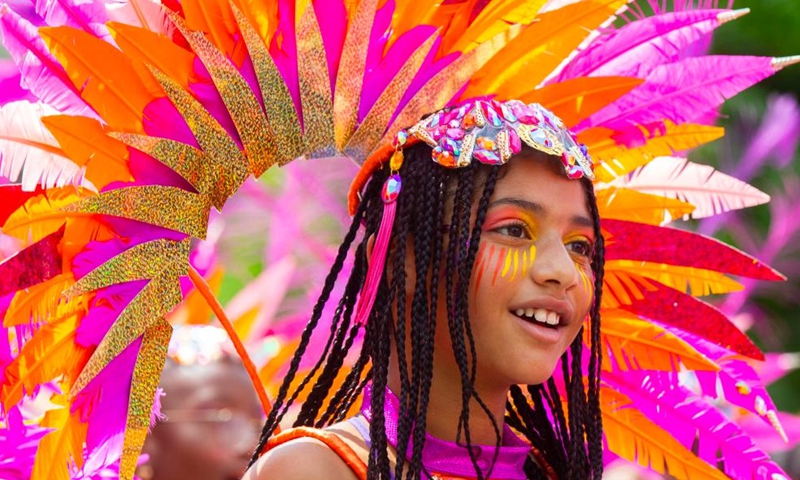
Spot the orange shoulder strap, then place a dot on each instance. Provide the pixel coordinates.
(345, 452)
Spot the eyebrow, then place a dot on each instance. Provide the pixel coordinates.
(538, 208)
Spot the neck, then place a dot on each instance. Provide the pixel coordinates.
(444, 408)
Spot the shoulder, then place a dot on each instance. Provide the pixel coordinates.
(300, 459)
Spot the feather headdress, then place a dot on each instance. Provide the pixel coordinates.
(147, 116)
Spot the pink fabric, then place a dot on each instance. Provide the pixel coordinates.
(450, 458)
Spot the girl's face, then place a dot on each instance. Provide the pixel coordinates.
(532, 283)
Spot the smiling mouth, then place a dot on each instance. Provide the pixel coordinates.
(539, 316)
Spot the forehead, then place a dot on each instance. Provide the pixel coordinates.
(538, 178)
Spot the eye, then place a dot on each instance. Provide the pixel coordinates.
(514, 230)
(583, 248)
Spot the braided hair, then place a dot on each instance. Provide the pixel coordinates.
(441, 213)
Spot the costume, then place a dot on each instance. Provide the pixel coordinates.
(149, 116)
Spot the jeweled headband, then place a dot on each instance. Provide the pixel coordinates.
(488, 131)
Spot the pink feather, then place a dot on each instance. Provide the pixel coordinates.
(40, 71)
(10, 88)
(87, 15)
(638, 47)
(637, 241)
(739, 381)
(141, 13)
(19, 441)
(710, 191)
(683, 91)
(696, 424)
(29, 154)
(684, 313)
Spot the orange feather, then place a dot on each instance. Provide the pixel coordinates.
(575, 100)
(85, 142)
(106, 77)
(526, 60)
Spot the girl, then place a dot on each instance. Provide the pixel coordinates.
(492, 273)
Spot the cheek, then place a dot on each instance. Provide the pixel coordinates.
(495, 265)
(585, 287)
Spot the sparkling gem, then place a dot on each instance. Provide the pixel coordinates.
(566, 159)
(451, 146)
(538, 136)
(453, 124)
(743, 388)
(514, 143)
(455, 133)
(402, 138)
(439, 132)
(760, 406)
(574, 172)
(506, 112)
(491, 114)
(435, 120)
(486, 143)
(487, 157)
(437, 150)
(469, 120)
(391, 188)
(523, 113)
(446, 159)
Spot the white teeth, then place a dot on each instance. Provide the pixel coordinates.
(541, 315)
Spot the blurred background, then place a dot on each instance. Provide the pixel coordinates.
(267, 283)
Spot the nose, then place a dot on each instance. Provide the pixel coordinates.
(553, 266)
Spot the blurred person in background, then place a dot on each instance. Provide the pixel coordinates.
(211, 415)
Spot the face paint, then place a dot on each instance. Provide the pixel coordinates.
(504, 262)
(586, 282)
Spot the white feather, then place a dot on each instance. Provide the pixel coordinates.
(29, 154)
(710, 191)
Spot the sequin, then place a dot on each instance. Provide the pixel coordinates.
(315, 87)
(455, 133)
(146, 376)
(282, 118)
(144, 261)
(366, 138)
(349, 86)
(231, 168)
(445, 159)
(451, 146)
(485, 156)
(242, 104)
(486, 143)
(168, 207)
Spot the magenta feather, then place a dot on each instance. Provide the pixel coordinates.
(40, 71)
(15, 271)
(104, 310)
(638, 47)
(385, 68)
(637, 241)
(683, 91)
(333, 30)
(19, 441)
(89, 16)
(283, 49)
(696, 424)
(681, 312)
(739, 382)
(104, 403)
(162, 119)
(10, 88)
(203, 88)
